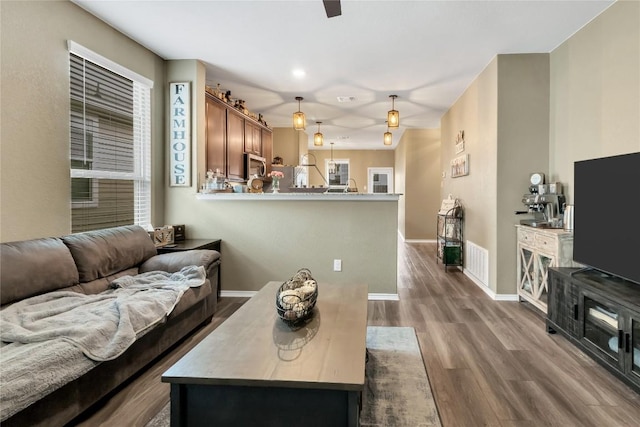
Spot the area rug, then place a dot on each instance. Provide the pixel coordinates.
(397, 391)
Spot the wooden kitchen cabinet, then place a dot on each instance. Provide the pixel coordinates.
(235, 145)
(252, 139)
(216, 136)
(229, 134)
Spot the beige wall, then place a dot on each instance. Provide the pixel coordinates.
(359, 162)
(505, 118)
(421, 182)
(34, 139)
(595, 92)
(289, 144)
(399, 182)
(475, 112)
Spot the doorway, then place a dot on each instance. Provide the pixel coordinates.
(380, 180)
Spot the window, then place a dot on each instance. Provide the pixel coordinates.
(380, 180)
(110, 146)
(339, 177)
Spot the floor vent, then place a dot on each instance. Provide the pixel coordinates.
(477, 262)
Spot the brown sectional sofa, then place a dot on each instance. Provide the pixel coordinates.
(87, 263)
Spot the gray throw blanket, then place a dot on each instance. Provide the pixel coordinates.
(103, 326)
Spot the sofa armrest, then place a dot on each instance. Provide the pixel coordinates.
(174, 261)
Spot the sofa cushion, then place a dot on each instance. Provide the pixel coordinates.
(100, 285)
(101, 253)
(33, 267)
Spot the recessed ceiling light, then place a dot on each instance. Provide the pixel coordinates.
(346, 98)
(343, 137)
(299, 73)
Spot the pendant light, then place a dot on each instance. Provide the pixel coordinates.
(388, 137)
(393, 116)
(318, 139)
(332, 164)
(299, 121)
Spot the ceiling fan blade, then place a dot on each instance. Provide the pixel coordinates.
(332, 7)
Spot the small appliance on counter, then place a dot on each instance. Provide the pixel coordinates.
(545, 202)
(255, 184)
(567, 219)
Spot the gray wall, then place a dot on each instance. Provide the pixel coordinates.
(34, 139)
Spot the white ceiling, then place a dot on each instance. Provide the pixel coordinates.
(426, 52)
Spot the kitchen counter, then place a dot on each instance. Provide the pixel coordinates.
(271, 236)
(351, 197)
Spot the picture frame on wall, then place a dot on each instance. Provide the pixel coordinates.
(460, 142)
(180, 134)
(460, 166)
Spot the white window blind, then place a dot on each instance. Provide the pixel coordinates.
(110, 144)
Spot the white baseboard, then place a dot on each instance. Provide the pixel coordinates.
(420, 241)
(489, 291)
(507, 297)
(238, 294)
(249, 294)
(383, 297)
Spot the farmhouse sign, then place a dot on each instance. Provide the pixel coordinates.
(180, 134)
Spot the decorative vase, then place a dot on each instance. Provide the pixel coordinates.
(276, 185)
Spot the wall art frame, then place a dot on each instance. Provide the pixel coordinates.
(460, 166)
(460, 142)
(180, 134)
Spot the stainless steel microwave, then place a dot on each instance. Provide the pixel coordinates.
(254, 165)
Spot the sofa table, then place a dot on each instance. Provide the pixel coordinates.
(253, 370)
(189, 244)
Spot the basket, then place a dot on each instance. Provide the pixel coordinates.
(296, 298)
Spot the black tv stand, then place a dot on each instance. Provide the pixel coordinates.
(582, 270)
(600, 314)
(595, 274)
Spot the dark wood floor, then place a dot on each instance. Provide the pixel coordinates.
(489, 363)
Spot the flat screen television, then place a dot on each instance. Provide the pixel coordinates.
(606, 233)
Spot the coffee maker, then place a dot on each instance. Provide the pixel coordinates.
(545, 202)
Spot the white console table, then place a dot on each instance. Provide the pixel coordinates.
(539, 249)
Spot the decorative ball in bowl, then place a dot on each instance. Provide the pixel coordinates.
(296, 298)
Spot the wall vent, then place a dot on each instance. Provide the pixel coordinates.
(477, 262)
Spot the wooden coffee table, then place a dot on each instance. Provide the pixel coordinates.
(253, 370)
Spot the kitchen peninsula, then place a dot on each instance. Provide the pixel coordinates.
(270, 236)
(351, 197)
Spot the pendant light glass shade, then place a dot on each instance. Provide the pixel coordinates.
(299, 121)
(393, 116)
(318, 138)
(388, 137)
(332, 164)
